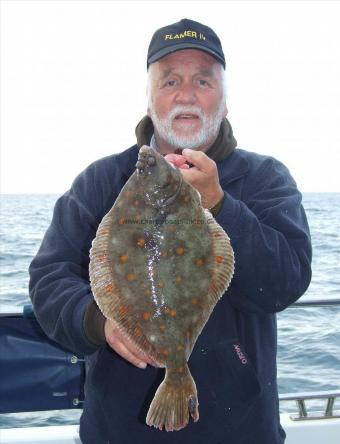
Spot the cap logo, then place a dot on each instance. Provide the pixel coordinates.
(185, 34)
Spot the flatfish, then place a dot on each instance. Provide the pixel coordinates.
(158, 265)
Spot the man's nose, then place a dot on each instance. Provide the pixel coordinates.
(186, 94)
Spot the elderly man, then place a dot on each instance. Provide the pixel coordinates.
(252, 197)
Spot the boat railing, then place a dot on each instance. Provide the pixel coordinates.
(27, 310)
(316, 303)
(304, 413)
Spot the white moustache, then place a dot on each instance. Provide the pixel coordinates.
(182, 109)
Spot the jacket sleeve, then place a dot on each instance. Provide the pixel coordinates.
(269, 233)
(59, 279)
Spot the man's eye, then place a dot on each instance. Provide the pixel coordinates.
(203, 82)
(170, 83)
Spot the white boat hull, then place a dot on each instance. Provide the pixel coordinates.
(321, 431)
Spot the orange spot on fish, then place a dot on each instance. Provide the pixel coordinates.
(136, 202)
(146, 315)
(109, 288)
(165, 352)
(141, 242)
(217, 234)
(173, 313)
(137, 332)
(131, 277)
(194, 301)
(164, 253)
(123, 258)
(180, 369)
(179, 347)
(160, 284)
(147, 292)
(123, 310)
(102, 258)
(172, 228)
(104, 231)
(178, 279)
(218, 259)
(121, 221)
(179, 251)
(162, 327)
(186, 198)
(199, 262)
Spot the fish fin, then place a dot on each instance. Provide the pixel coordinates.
(222, 270)
(222, 259)
(108, 295)
(174, 399)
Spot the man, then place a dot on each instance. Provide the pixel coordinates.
(253, 198)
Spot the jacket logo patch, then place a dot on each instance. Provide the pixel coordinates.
(240, 354)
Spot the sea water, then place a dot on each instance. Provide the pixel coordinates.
(308, 338)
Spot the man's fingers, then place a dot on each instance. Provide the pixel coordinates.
(120, 348)
(177, 160)
(126, 348)
(199, 159)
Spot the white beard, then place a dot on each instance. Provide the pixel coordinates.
(207, 134)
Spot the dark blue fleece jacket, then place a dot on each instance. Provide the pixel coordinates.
(234, 359)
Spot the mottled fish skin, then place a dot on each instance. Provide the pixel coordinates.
(159, 264)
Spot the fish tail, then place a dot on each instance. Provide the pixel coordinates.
(175, 398)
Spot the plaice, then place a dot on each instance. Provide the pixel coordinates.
(158, 265)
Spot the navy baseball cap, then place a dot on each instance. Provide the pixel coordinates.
(185, 34)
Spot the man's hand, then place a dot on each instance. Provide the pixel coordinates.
(203, 176)
(125, 348)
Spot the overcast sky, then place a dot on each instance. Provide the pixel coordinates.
(73, 83)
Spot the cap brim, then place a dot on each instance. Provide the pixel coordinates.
(165, 51)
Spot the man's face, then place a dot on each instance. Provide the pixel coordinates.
(186, 100)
